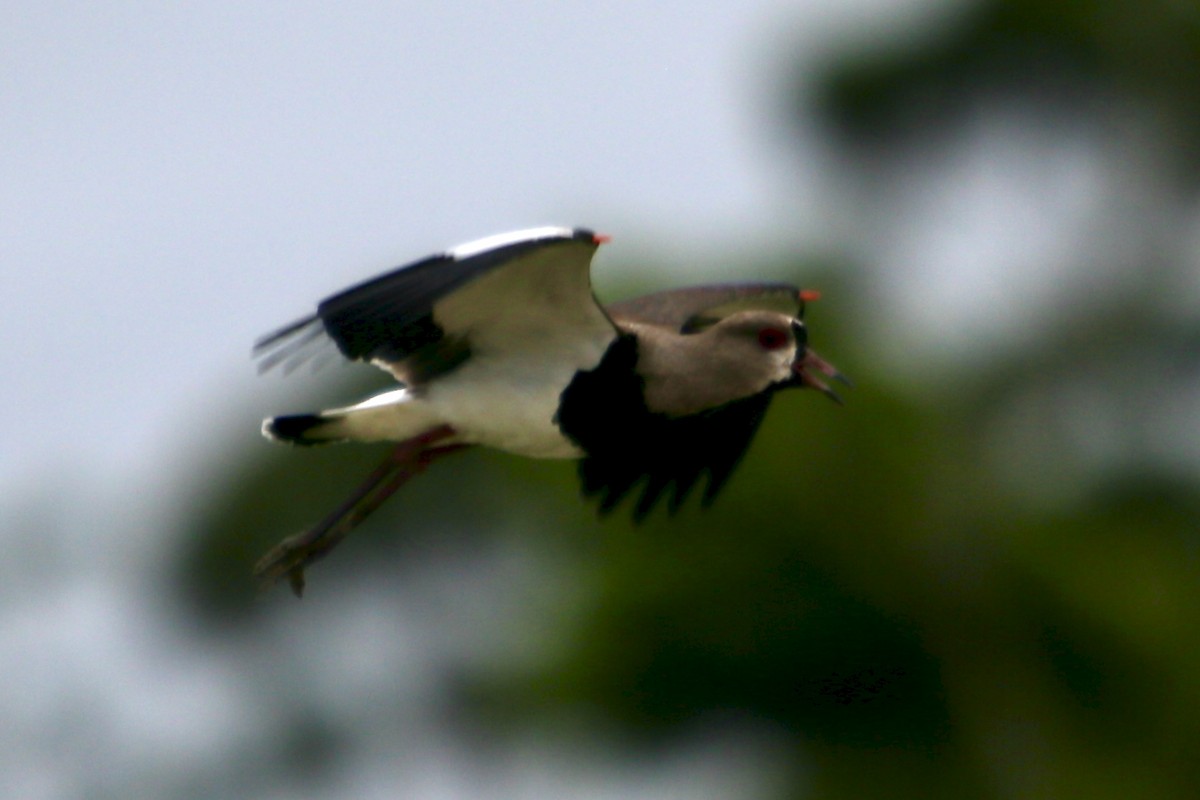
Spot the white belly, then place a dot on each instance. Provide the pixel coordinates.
(509, 406)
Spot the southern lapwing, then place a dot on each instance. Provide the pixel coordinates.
(500, 342)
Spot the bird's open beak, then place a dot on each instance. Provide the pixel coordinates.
(810, 370)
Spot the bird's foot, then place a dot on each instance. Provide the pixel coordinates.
(293, 555)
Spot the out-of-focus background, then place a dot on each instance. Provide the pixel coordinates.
(981, 578)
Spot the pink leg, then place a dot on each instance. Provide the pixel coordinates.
(290, 557)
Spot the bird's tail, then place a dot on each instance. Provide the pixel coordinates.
(393, 416)
(306, 429)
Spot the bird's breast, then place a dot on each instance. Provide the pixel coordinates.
(512, 403)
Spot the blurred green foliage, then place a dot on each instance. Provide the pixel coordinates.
(1074, 53)
(873, 585)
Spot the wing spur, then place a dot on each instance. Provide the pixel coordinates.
(394, 316)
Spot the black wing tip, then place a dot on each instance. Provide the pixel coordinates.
(650, 493)
(289, 345)
(269, 340)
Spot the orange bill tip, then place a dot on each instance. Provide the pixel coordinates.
(809, 295)
(601, 238)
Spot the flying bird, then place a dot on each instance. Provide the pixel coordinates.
(500, 342)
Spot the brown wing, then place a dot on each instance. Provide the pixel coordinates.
(694, 308)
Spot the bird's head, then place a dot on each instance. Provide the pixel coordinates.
(771, 350)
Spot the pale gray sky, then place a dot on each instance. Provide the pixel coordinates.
(178, 178)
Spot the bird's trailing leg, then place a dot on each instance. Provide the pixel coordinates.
(408, 459)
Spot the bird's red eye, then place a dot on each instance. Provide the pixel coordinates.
(772, 338)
